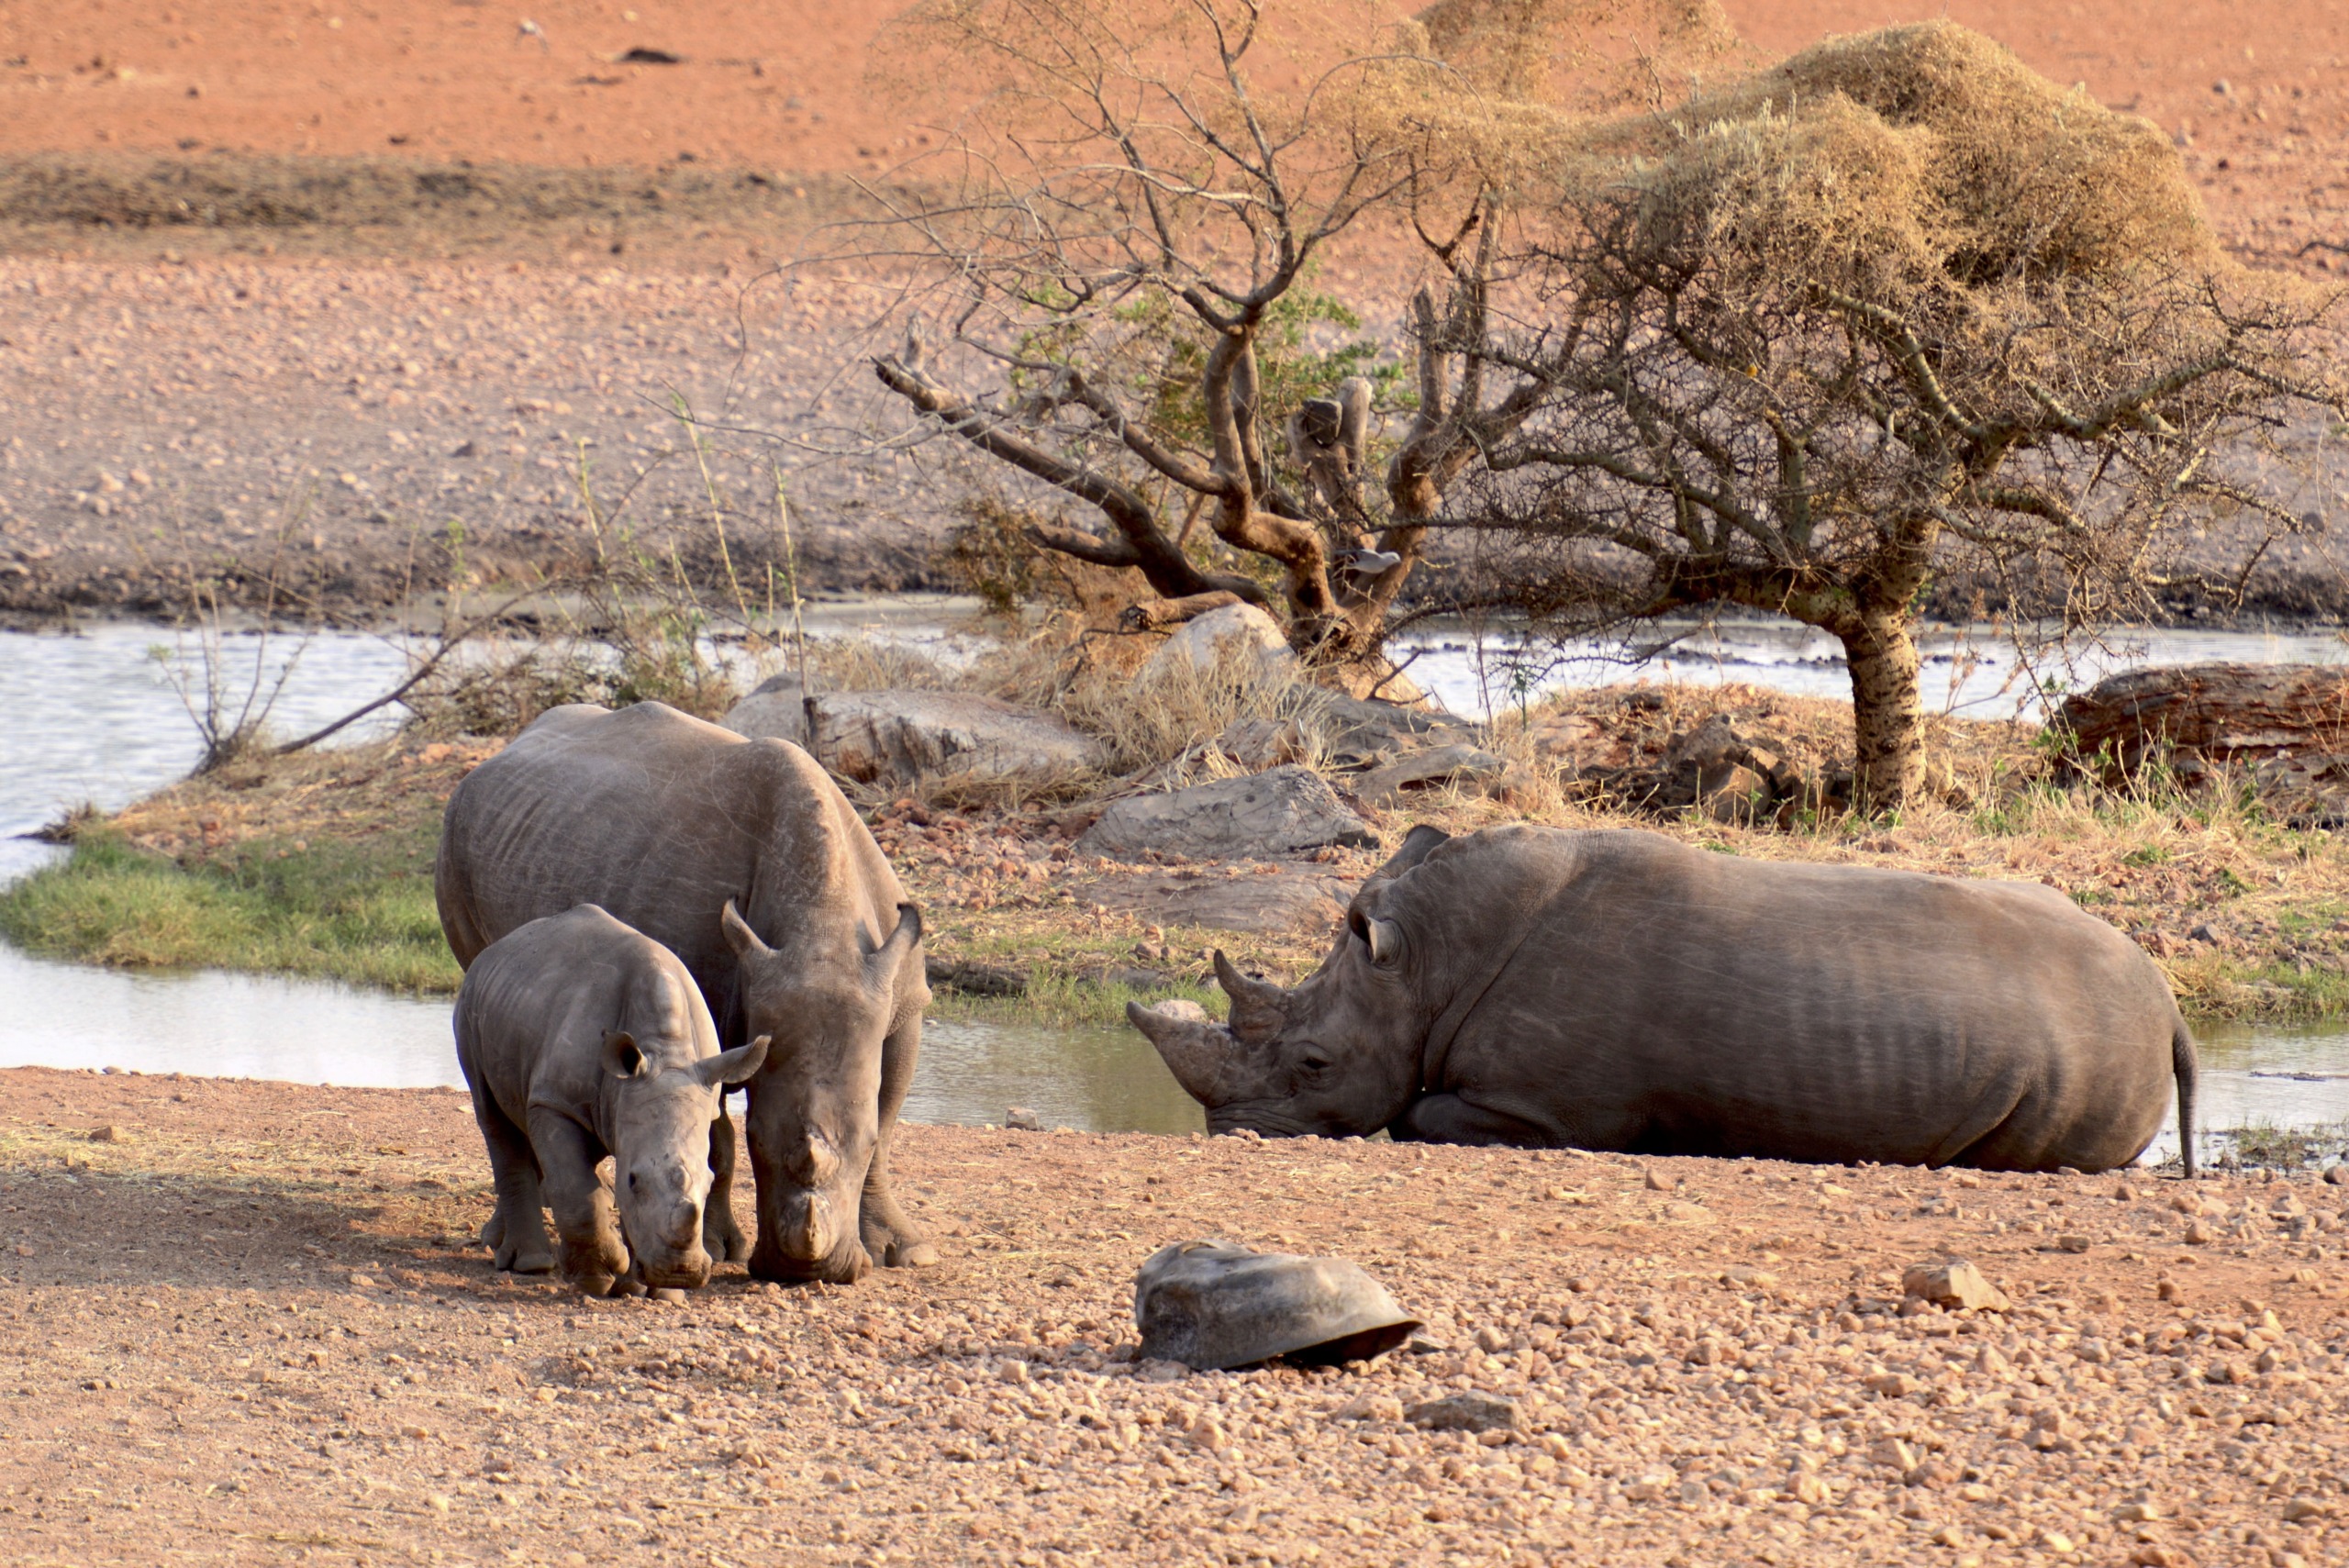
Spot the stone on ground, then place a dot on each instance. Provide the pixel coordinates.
(1956, 1284)
(1279, 812)
(910, 733)
(1436, 768)
(1239, 638)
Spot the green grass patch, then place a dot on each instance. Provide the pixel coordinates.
(356, 911)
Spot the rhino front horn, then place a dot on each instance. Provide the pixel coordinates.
(1193, 1049)
(1259, 1008)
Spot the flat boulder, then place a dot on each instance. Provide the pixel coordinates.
(1279, 812)
(906, 733)
(1239, 638)
(1434, 768)
(1268, 900)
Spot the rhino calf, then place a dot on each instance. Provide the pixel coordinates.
(580, 1037)
(1617, 990)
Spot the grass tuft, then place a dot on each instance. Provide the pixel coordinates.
(357, 912)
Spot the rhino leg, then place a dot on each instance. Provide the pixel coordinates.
(722, 1233)
(892, 1240)
(593, 1252)
(516, 1232)
(1448, 1118)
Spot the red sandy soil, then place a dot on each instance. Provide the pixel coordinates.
(2255, 92)
(244, 1323)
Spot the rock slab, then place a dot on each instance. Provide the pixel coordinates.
(1278, 812)
(910, 733)
(1240, 639)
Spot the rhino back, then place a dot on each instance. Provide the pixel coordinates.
(537, 1004)
(659, 820)
(1666, 997)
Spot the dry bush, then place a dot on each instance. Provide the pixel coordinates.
(1171, 725)
(875, 664)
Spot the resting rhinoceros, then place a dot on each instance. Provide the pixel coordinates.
(743, 859)
(1617, 990)
(581, 1038)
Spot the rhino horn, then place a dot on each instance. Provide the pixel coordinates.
(1259, 1008)
(1193, 1049)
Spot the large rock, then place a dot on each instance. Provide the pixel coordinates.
(2286, 725)
(1268, 900)
(904, 734)
(1213, 1305)
(1275, 813)
(2211, 714)
(1240, 639)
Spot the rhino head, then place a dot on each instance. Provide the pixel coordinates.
(1338, 1056)
(662, 1102)
(814, 1118)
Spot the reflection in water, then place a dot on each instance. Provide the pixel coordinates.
(218, 1025)
(1096, 1080)
(1974, 670)
(2256, 1076)
(1101, 1080)
(93, 718)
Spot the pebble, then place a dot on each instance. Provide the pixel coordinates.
(1468, 1411)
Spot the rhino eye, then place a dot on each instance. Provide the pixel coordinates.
(1313, 1059)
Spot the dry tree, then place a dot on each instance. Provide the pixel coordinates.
(1115, 282)
(1894, 309)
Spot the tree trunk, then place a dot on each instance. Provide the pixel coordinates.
(1888, 712)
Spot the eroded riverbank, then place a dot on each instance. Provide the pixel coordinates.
(1703, 1356)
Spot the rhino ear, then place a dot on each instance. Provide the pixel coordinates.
(1384, 937)
(735, 1066)
(881, 969)
(621, 1058)
(738, 935)
(1417, 844)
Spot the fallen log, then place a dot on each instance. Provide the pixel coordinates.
(2198, 716)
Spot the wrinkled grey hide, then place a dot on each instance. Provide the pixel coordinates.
(581, 1038)
(744, 859)
(1211, 1305)
(1617, 990)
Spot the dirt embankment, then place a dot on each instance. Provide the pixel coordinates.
(246, 1321)
(2244, 913)
(257, 321)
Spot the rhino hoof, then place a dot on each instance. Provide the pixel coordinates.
(594, 1285)
(493, 1231)
(909, 1255)
(535, 1262)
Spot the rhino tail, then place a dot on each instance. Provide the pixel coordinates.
(2187, 1065)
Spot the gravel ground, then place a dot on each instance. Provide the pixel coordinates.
(244, 1325)
(324, 426)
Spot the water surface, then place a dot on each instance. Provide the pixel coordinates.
(94, 716)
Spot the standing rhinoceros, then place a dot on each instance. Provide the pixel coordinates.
(743, 859)
(580, 1037)
(1617, 990)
